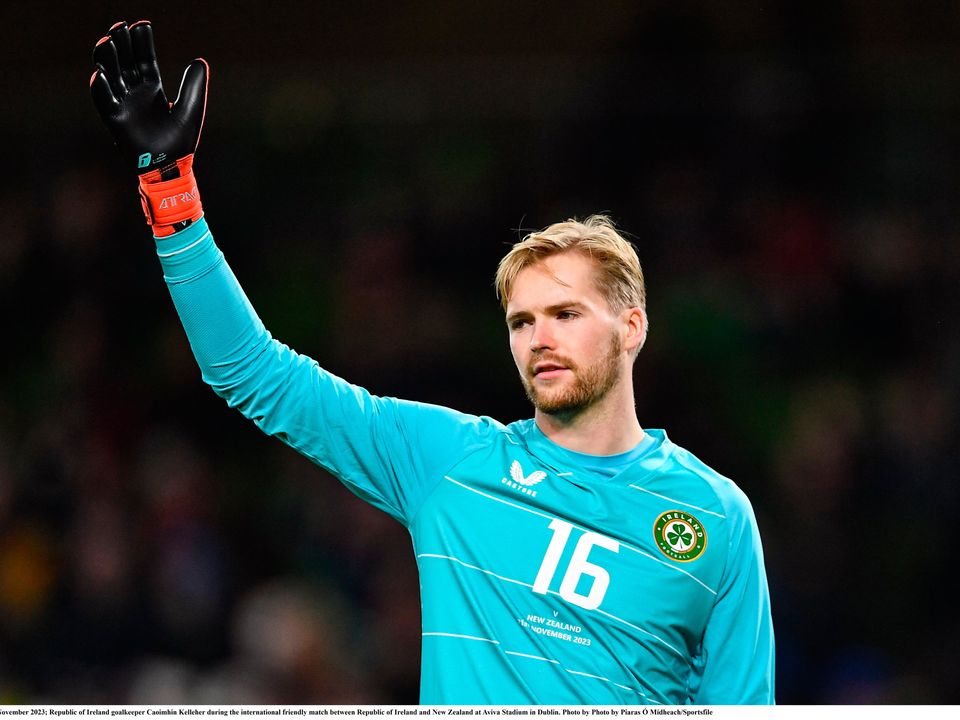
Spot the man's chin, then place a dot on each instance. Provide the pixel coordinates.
(555, 402)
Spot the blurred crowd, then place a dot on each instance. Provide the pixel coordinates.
(789, 178)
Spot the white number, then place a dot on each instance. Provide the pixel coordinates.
(578, 566)
(561, 531)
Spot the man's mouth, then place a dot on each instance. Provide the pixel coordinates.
(547, 370)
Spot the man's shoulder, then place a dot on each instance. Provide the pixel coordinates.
(446, 430)
(484, 434)
(683, 469)
(431, 413)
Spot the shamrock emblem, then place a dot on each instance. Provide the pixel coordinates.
(678, 535)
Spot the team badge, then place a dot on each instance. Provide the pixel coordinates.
(680, 536)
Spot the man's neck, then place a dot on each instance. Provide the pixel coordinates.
(607, 428)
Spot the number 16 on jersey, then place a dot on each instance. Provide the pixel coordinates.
(577, 568)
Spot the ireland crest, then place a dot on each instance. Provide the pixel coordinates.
(679, 535)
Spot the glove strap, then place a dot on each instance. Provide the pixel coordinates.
(168, 202)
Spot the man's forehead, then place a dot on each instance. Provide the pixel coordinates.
(566, 276)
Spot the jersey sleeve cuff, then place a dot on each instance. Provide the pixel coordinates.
(187, 254)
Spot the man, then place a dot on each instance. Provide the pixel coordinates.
(571, 558)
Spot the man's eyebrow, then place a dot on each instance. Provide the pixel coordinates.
(517, 314)
(549, 310)
(571, 305)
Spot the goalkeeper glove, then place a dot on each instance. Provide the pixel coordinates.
(156, 138)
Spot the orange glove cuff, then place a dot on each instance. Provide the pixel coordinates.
(166, 202)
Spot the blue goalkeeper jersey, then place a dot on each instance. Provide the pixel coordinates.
(546, 575)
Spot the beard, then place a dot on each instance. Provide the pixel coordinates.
(587, 387)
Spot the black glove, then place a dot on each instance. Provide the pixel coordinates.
(156, 138)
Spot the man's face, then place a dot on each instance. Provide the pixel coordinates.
(565, 340)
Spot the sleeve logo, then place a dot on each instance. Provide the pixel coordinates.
(679, 535)
(522, 483)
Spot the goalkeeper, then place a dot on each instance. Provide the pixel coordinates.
(571, 558)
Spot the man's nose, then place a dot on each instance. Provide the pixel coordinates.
(542, 337)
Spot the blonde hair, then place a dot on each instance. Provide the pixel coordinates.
(620, 277)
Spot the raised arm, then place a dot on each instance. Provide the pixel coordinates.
(388, 451)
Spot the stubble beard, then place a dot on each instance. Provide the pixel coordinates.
(588, 387)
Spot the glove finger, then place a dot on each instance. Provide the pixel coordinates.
(120, 35)
(190, 106)
(144, 53)
(103, 98)
(105, 56)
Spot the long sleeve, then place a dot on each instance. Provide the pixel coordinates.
(738, 644)
(390, 452)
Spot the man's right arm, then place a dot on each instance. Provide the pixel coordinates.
(284, 393)
(388, 451)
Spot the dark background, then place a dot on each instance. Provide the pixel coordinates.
(787, 170)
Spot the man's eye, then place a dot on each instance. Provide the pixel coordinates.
(566, 315)
(518, 324)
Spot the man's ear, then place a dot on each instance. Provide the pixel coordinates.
(635, 324)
